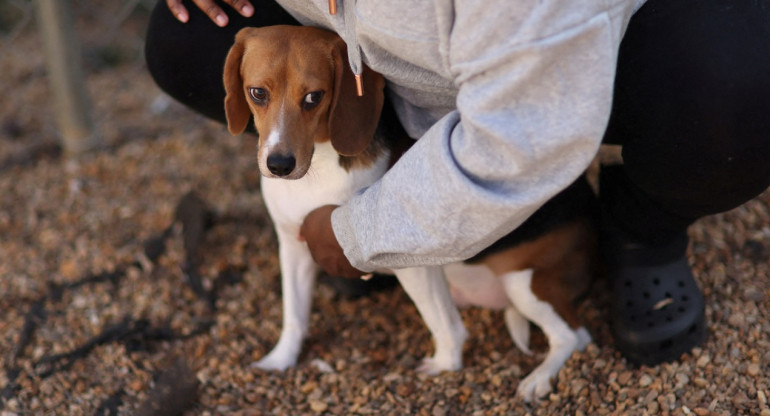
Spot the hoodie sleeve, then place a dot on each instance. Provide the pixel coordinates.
(535, 86)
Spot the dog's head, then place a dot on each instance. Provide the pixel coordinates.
(297, 83)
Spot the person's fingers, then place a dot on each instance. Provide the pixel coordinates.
(178, 10)
(213, 11)
(243, 7)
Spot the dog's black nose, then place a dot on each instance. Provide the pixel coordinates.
(281, 165)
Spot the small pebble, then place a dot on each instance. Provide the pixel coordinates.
(318, 406)
(438, 410)
(762, 397)
(703, 360)
(322, 366)
(625, 377)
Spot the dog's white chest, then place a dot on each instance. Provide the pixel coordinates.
(326, 182)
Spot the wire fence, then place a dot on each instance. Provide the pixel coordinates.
(108, 37)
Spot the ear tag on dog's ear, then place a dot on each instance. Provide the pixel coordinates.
(332, 6)
(359, 84)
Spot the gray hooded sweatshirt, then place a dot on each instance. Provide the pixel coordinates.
(509, 100)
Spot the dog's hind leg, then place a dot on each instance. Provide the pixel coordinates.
(562, 340)
(430, 293)
(298, 271)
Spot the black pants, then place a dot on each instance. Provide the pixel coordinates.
(691, 106)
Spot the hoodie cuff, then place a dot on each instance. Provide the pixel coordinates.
(346, 237)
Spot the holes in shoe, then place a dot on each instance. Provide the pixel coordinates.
(646, 295)
(680, 283)
(627, 283)
(680, 309)
(693, 329)
(685, 298)
(664, 345)
(656, 281)
(651, 324)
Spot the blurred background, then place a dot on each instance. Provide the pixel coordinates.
(105, 67)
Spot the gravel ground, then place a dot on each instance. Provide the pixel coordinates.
(92, 326)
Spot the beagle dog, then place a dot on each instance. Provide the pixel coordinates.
(320, 143)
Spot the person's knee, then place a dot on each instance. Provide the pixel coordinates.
(161, 46)
(186, 59)
(692, 117)
(695, 177)
(711, 154)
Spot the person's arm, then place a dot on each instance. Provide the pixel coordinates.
(535, 89)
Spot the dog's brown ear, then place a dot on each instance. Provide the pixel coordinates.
(353, 119)
(236, 108)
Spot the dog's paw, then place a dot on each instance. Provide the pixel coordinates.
(275, 360)
(433, 366)
(535, 385)
(448, 355)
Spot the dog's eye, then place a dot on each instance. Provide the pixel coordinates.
(258, 95)
(312, 99)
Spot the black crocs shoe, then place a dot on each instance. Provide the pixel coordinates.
(657, 307)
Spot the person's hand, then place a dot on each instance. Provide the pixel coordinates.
(214, 12)
(317, 231)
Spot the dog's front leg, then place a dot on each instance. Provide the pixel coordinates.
(298, 273)
(430, 293)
